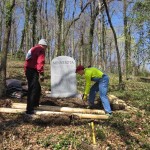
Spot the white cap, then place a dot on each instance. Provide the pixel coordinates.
(43, 42)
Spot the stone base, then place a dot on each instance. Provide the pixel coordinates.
(77, 95)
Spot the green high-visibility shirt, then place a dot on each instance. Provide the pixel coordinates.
(89, 74)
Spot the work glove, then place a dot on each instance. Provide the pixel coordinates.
(84, 97)
(41, 77)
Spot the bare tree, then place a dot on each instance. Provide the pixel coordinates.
(60, 5)
(117, 49)
(25, 24)
(9, 4)
(82, 43)
(1, 22)
(13, 38)
(33, 8)
(94, 12)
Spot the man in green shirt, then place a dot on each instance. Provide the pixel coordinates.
(101, 84)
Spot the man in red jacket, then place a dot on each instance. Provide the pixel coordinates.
(34, 70)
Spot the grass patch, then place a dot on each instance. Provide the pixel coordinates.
(46, 142)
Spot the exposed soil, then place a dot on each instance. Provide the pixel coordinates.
(124, 131)
(62, 102)
(21, 132)
(16, 129)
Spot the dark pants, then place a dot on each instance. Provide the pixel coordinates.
(34, 89)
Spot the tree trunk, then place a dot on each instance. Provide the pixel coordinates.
(60, 5)
(41, 22)
(47, 35)
(24, 31)
(34, 19)
(73, 43)
(129, 51)
(94, 13)
(100, 42)
(117, 49)
(103, 43)
(1, 28)
(81, 50)
(9, 11)
(126, 38)
(110, 61)
(59, 10)
(81, 45)
(63, 27)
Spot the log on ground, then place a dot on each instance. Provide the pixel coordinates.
(117, 104)
(37, 112)
(61, 109)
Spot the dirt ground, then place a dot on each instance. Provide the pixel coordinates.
(124, 131)
(16, 129)
(61, 132)
(62, 102)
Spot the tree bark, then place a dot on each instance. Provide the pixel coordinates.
(126, 38)
(60, 13)
(9, 12)
(25, 25)
(103, 50)
(34, 20)
(1, 25)
(59, 10)
(116, 45)
(94, 13)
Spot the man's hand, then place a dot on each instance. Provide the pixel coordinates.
(42, 77)
(84, 97)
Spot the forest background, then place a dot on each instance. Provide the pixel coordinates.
(110, 34)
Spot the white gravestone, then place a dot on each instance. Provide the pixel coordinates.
(63, 77)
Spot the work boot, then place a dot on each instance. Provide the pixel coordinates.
(109, 114)
(30, 112)
(36, 107)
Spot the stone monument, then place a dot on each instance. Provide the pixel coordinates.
(63, 77)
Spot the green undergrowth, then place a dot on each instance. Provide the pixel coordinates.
(136, 93)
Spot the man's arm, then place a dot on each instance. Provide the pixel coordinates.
(88, 84)
(40, 65)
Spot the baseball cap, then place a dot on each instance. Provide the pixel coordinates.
(79, 68)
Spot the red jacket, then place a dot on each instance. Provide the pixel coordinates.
(35, 59)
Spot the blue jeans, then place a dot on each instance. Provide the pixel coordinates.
(101, 85)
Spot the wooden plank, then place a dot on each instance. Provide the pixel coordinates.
(37, 112)
(61, 109)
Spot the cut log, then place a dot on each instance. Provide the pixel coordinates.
(114, 99)
(11, 110)
(117, 103)
(61, 109)
(37, 112)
